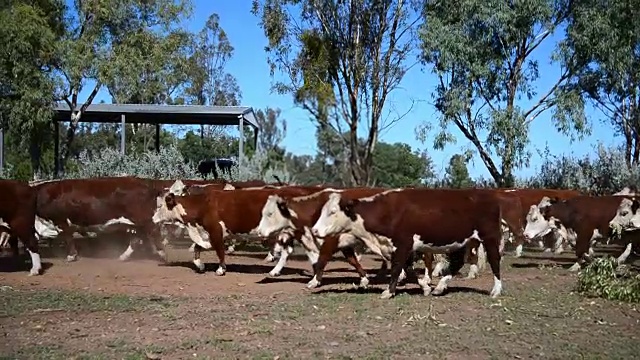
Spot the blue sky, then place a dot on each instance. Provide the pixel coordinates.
(250, 68)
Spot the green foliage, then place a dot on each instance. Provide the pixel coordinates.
(604, 278)
(604, 174)
(134, 47)
(457, 175)
(340, 61)
(395, 165)
(482, 53)
(604, 38)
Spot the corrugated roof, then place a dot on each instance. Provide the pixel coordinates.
(161, 114)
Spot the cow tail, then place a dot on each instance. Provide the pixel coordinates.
(482, 257)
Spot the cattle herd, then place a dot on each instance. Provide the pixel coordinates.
(446, 228)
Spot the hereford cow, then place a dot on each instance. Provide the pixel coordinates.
(296, 216)
(299, 214)
(397, 222)
(528, 197)
(627, 223)
(584, 218)
(111, 204)
(212, 216)
(17, 214)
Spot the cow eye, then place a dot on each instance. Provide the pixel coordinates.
(624, 213)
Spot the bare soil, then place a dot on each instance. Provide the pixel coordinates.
(100, 308)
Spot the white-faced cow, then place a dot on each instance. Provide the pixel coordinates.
(211, 216)
(296, 216)
(423, 220)
(584, 218)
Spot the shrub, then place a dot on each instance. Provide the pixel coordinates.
(604, 278)
(604, 174)
(166, 164)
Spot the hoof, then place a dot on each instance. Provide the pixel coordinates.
(72, 258)
(364, 283)
(547, 250)
(220, 272)
(438, 291)
(313, 283)
(386, 295)
(199, 266)
(274, 273)
(35, 272)
(575, 267)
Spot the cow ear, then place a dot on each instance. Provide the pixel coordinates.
(554, 200)
(284, 209)
(348, 209)
(635, 205)
(170, 200)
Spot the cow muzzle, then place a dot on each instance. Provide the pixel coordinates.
(315, 232)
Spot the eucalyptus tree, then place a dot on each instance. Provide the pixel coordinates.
(340, 60)
(604, 37)
(124, 45)
(484, 54)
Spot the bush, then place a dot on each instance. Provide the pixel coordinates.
(166, 164)
(604, 278)
(605, 174)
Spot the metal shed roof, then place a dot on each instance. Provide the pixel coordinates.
(161, 114)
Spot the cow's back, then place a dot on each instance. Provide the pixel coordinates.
(92, 201)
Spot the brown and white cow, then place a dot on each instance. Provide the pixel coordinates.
(584, 218)
(397, 222)
(297, 215)
(212, 216)
(528, 197)
(17, 214)
(626, 224)
(112, 204)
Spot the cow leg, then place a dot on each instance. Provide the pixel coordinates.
(72, 252)
(284, 251)
(623, 257)
(398, 262)
(441, 264)
(352, 258)
(582, 251)
(26, 234)
(425, 282)
(13, 244)
(327, 249)
(217, 242)
(456, 262)
(475, 255)
(493, 257)
(196, 259)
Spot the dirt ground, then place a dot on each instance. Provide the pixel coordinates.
(105, 309)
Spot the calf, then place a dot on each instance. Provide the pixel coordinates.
(212, 216)
(17, 215)
(397, 222)
(111, 204)
(584, 218)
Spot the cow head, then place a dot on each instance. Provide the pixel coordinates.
(626, 213)
(538, 224)
(276, 216)
(336, 216)
(169, 210)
